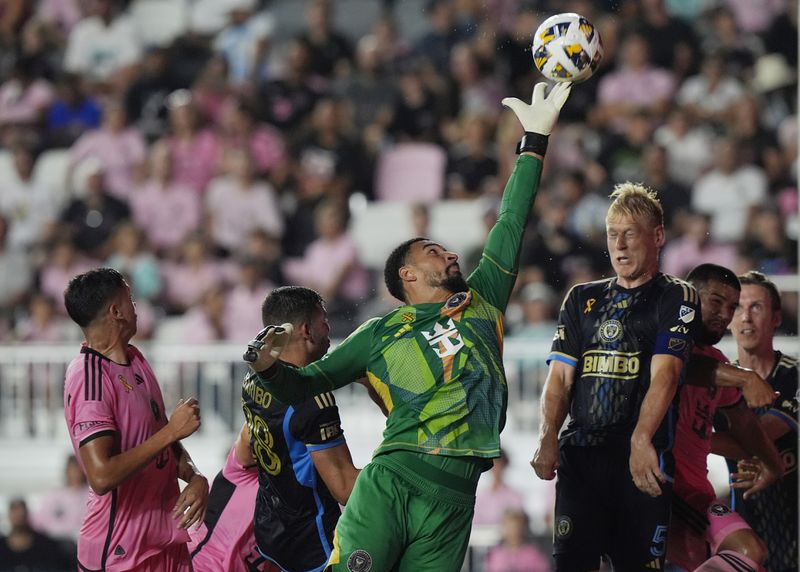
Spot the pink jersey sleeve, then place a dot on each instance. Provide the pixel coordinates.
(90, 401)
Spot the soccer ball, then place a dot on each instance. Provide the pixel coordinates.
(567, 47)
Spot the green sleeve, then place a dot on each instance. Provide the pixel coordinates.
(497, 271)
(343, 365)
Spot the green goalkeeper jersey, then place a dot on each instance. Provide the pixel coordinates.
(438, 367)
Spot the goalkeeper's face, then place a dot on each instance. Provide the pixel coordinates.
(633, 246)
(438, 267)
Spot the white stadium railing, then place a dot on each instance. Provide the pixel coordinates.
(31, 382)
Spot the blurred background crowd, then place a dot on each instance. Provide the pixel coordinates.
(210, 155)
(212, 150)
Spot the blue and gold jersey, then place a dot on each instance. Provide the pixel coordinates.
(609, 334)
(295, 513)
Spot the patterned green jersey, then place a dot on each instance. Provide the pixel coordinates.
(437, 367)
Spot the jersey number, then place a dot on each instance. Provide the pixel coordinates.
(262, 443)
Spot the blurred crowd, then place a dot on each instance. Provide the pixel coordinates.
(220, 161)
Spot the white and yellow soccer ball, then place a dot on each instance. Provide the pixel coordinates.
(567, 47)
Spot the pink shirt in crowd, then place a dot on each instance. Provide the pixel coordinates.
(636, 87)
(54, 279)
(194, 163)
(18, 105)
(230, 542)
(266, 146)
(236, 211)
(526, 558)
(61, 512)
(492, 503)
(693, 435)
(241, 322)
(167, 214)
(323, 262)
(185, 284)
(119, 153)
(133, 522)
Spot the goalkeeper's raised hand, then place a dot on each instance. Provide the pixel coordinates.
(265, 349)
(541, 114)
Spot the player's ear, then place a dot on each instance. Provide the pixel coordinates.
(114, 311)
(407, 274)
(304, 331)
(660, 236)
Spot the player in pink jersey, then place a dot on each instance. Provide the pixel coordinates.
(137, 517)
(697, 519)
(225, 540)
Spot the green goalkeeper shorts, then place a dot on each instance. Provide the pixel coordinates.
(406, 514)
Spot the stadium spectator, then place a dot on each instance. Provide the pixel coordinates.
(203, 323)
(688, 146)
(165, 209)
(61, 15)
(472, 165)
(696, 245)
(30, 207)
(330, 52)
(493, 500)
(93, 217)
(118, 147)
(43, 323)
(130, 255)
(516, 551)
(672, 42)
(26, 549)
(443, 34)
(265, 143)
(473, 88)
(729, 192)
(416, 113)
(146, 99)
(16, 273)
(710, 95)
(250, 288)
(63, 261)
(193, 273)
(195, 150)
(767, 244)
(24, 99)
(72, 112)
(104, 48)
(675, 198)
(237, 203)
(61, 510)
(539, 304)
(636, 86)
(244, 41)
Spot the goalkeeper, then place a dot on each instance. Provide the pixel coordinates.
(436, 362)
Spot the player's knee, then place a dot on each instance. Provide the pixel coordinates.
(747, 543)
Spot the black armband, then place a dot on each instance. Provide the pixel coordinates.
(533, 142)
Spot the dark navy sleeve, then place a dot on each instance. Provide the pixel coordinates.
(316, 423)
(567, 339)
(678, 319)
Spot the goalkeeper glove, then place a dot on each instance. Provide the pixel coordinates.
(263, 351)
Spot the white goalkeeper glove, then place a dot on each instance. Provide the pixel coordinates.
(541, 115)
(266, 348)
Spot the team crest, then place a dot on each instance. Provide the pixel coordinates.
(359, 561)
(563, 528)
(455, 300)
(407, 317)
(610, 331)
(125, 385)
(686, 314)
(676, 344)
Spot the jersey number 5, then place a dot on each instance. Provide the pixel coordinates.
(262, 442)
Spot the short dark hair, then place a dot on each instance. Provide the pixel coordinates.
(90, 293)
(391, 272)
(293, 304)
(701, 274)
(757, 278)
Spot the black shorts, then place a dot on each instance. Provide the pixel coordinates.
(599, 511)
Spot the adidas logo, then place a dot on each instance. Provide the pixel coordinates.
(119, 551)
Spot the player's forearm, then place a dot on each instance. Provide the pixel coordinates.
(186, 467)
(554, 405)
(657, 400)
(106, 471)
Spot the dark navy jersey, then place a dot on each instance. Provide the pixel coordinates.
(772, 513)
(295, 513)
(610, 334)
